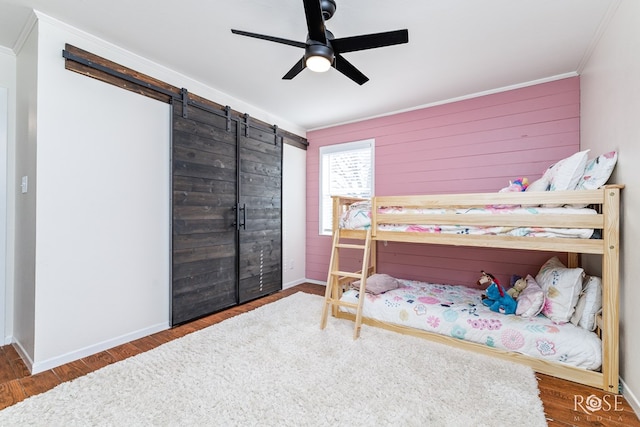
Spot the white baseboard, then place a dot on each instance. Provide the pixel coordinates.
(293, 283)
(299, 281)
(44, 365)
(630, 396)
(24, 355)
(8, 340)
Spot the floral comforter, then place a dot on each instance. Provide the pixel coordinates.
(457, 311)
(358, 217)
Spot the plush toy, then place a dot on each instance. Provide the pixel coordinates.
(499, 300)
(518, 286)
(485, 279)
(517, 185)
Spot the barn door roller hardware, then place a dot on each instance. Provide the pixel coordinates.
(227, 113)
(246, 124)
(102, 69)
(184, 93)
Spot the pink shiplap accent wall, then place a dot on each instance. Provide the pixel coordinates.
(470, 146)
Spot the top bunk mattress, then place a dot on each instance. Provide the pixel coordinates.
(457, 311)
(358, 217)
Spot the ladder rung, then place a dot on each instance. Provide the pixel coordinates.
(346, 274)
(334, 301)
(350, 246)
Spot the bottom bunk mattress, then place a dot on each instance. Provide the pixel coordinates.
(457, 311)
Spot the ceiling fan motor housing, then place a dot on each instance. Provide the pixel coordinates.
(318, 49)
(328, 8)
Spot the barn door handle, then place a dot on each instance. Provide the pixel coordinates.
(240, 223)
(235, 221)
(244, 217)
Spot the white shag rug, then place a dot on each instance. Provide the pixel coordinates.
(274, 367)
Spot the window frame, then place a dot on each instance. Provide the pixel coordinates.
(337, 148)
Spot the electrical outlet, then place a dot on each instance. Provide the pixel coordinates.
(24, 186)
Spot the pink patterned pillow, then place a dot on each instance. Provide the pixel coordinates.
(378, 283)
(531, 299)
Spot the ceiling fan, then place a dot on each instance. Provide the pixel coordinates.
(322, 50)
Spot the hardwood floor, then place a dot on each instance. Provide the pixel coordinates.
(565, 403)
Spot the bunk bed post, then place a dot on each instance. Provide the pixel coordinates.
(610, 288)
(337, 210)
(573, 260)
(373, 267)
(374, 218)
(334, 264)
(374, 241)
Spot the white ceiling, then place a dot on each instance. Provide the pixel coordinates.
(456, 49)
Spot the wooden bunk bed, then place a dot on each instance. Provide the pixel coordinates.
(606, 202)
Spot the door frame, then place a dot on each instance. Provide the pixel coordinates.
(4, 140)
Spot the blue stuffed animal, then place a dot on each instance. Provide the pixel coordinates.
(498, 300)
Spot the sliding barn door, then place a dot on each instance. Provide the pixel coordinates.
(260, 202)
(205, 273)
(227, 210)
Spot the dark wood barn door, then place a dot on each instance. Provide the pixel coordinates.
(260, 201)
(227, 207)
(204, 267)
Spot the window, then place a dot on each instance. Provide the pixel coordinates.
(345, 170)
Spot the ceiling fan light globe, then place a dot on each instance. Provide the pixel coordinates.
(318, 57)
(319, 64)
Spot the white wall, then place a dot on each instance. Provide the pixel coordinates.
(24, 245)
(4, 133)
(7, 140)
(610, 120)
(294, 184)
(99, 174)
(93, 260)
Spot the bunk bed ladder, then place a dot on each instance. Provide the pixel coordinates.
(336, 278)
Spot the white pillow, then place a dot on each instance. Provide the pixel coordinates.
(531, 299)
(541, 184)
(597, 171)
(561, 286)
(589, 304)
(565, 174)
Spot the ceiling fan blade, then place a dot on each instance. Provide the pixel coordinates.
(370, 41)
(295, 70)
(270, 38)
(315, 21)
(346, 68)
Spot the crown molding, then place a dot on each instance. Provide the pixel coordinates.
(24, 34)
(7, 51)
(602, 27)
